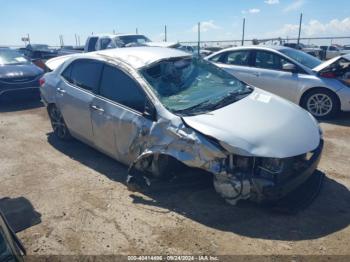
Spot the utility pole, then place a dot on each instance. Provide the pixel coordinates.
(76, 39)
(199, 39)
(165, 34)
(300, 22)
(28, 39)
(137, 31)
(243, 31)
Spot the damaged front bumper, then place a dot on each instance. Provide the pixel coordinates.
(260, 182)
(281, 189)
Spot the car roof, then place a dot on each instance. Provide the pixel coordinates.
(114, 35)
(259, 47)
(137, 57)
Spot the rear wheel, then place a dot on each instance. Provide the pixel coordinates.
(321, 103)
(59, 127)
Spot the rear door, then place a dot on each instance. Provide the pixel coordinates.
(117, 115)
(75, 94)
(236, 63)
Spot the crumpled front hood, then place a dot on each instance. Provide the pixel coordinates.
(261, 124)
(19, 70)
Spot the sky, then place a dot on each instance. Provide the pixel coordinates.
(45, 20)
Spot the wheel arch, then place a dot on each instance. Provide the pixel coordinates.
(312, 89)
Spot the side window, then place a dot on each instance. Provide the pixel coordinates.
(67, 73)
(119, 87)
(92, 44)
(238, 58)
(268, 60)
(332, 48)
(216, 58)
(104, 42)
(86, 74)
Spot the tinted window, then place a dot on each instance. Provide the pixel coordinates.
(66, 73)
(86, 74)
(216, 58)
(237, 58)
(332, 48)
(269, 60)
(104, 42)
(92, 44)
(119, 87)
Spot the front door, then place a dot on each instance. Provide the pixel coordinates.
(271, 77)
(119, 125)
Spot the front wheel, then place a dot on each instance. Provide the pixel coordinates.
(59, 127)
(322, 104)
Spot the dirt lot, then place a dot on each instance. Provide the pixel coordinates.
(86, 209)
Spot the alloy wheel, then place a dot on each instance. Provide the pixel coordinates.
(57, 123)
(319, 104)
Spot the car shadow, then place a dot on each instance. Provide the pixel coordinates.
(19, 102)
(19, 213)
(197, 200)
(342, 119)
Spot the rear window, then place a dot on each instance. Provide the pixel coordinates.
(84, 73)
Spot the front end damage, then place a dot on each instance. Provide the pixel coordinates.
(235, 177)
(263, 179)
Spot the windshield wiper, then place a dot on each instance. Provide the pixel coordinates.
(232, 97)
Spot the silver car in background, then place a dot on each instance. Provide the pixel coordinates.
(321, 88)
(156, 109)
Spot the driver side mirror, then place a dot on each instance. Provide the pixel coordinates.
(289, 67)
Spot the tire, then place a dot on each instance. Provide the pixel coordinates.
(321, 103)
(165, 167)
(59, 127)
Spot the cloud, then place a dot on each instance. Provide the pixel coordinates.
(314, 28)
(206, 26)
(251, 11)
(296, 5)
(272, 2)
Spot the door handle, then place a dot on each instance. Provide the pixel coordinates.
(256, 74)
(61, 91)
(97, 108)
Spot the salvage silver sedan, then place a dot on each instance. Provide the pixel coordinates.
(155, 108)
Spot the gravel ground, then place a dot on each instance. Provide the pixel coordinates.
(86, 209)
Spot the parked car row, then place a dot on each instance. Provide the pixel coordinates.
(157, 109)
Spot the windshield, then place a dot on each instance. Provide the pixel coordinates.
(131, 39)
(192, 86)
(11, 57)
(301, 57)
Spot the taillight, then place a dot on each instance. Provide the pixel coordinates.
(42, 81)
(328, 75)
